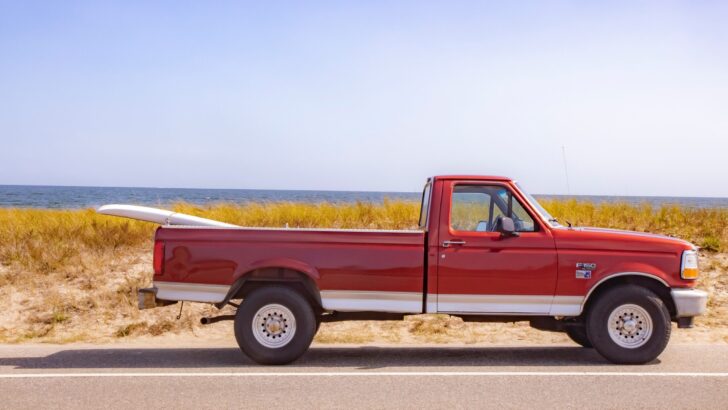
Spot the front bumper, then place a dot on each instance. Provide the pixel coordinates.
(689, 302)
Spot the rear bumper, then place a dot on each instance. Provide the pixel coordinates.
(147, 299)
(689, 302)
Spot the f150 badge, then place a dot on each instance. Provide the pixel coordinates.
(584, 270)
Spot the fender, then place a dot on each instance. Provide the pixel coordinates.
(281, 265)
(616, 275)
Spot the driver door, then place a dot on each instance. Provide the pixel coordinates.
(482, 271)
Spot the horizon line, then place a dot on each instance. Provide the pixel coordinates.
(348, 191)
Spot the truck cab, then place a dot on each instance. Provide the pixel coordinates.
(492, 239)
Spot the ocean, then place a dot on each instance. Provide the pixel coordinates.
(70, 197)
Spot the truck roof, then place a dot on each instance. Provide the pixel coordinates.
(474, 177)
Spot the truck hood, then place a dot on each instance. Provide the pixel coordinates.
(615, 239)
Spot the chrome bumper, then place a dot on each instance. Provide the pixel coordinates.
(689, 302)
(147, 298)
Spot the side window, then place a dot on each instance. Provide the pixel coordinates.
(521, 218)
(476, 208)
(470, 209)
(523, 221)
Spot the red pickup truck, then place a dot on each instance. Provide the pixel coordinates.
(485, 250)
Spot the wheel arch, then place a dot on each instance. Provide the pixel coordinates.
(297, 275)
(652, 282)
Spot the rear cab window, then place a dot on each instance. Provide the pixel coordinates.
(425, 207)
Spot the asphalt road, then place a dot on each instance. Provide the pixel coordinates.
(359, 377)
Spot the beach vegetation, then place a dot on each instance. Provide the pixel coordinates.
(70, 275)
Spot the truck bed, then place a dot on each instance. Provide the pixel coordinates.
(375, 270)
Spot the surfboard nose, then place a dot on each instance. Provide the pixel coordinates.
(160, 216)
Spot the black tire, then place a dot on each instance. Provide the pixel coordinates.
(578, 335)
(305, 325)
(598, 322)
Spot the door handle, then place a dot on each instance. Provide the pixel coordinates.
(447, 244)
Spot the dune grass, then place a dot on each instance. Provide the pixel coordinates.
(43, 241)
(705, 227)
(62, 270)
(360, 215)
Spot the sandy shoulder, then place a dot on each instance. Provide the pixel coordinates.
(82, 307)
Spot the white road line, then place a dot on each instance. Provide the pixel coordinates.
(362, 374)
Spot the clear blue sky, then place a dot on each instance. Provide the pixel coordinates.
(366, 95)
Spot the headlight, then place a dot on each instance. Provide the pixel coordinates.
(689, 265)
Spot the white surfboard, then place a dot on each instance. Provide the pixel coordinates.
(160, 216)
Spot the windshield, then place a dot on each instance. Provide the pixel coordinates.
(545, 215)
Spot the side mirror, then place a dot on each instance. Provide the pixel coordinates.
(505, 226)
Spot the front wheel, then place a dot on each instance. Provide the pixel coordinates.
(629, 325)
(274, 325)
(578, 335)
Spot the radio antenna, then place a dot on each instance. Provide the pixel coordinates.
(566, 170)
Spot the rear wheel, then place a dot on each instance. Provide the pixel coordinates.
(274, 325)
(629, 325)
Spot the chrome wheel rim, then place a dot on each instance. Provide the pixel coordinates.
(274, 326)
(630, 326)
